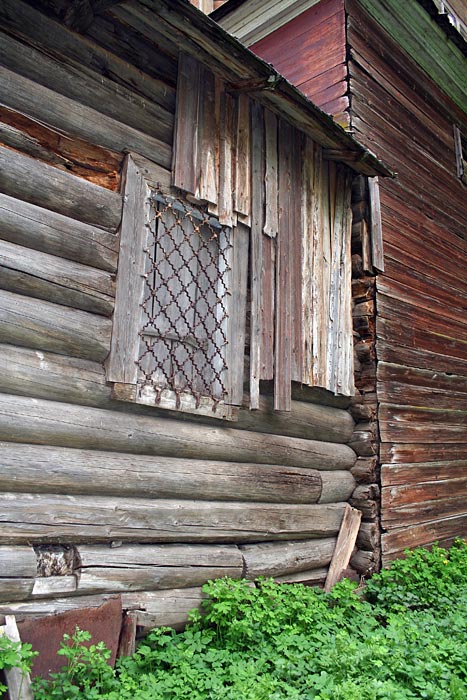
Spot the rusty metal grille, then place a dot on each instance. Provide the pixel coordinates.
(184, 334)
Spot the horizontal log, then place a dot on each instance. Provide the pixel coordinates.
(365, 470)
(42, 518)
(280, 559)
(147, 567)
(440, 530)
(368, 536)
(364, 562)
(53, 606)
(336, 486)
(413, 473)
(163, 608)
(412, 452)
(51, 376)
(53, 586)
(315, 394)
(54, 423)
(80, 381)
(44, 230)
(369, 509)
(424, 510)
(48, 277)
(413, 376)
(25, 178)
(78, 50)
(313, 577)
(41, 325)
(43, 469)
(92, 89)
(15, 589)
(17, 562)
(65, 114)
(305, 419)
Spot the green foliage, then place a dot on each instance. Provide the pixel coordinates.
(404, 640)
(14, 655)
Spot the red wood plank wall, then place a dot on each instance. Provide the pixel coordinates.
(310, 52)
(422, 296)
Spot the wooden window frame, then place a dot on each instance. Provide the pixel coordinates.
(141, 177)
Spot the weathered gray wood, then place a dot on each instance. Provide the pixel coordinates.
(77, 50)
(41, 229)
(92, 519)
(363, 562)
(336, 486)
(163, 608)
(91, 89)
(54, 423)
(134, 239)
(315, 394)
(17, 562)
(48, 277)
(51, 376)
(344, 545)
(237, 312)
(314, 577)
(271, 224)
(51, 586)
(305, 420)
(280, 559)
(186, 157)
(45, 326)
(145, 568)
(19, 683)
(55, 606)
(377, 252)
(65, 114)
(42, 184)
(43, 469)
(256, 248)
(15, 589)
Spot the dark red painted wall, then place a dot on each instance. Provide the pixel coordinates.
(310, 52)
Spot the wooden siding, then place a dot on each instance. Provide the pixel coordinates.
(421, 297)
(82, 470)
(310, 52)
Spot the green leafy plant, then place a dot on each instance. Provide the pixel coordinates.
(15, 655)
(402, 639)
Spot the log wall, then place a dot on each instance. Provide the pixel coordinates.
(421, 298)
(101, 496)
(310, 52)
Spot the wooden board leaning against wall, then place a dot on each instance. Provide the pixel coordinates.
(80, 470)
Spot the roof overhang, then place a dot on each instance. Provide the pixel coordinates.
(196, 33)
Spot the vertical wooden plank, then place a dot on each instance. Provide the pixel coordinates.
(271, 223)
(227, 140)
(242, 160)
(257, 223)
(346, 383)
(268, 278)
(283, 334)
(186, 163)
(335, 219)
(270, 229)
(344, 546)
(376, 225)
(237, 312)
(134, 238)
(308, 271)
(19, 685)
(295, 260)
(209, 127)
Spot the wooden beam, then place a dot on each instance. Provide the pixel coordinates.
(344, 545)
(61, 424)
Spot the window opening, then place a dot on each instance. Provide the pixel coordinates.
(184, 331)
